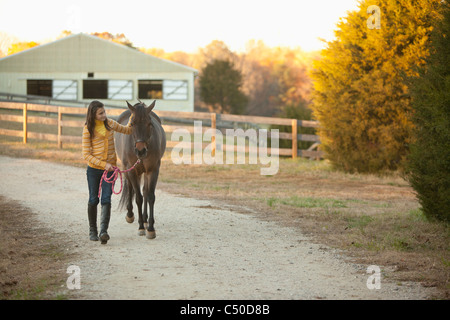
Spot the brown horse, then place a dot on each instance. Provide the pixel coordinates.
(147, 143)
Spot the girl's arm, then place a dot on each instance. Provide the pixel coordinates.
(120, 128)
(86, 147)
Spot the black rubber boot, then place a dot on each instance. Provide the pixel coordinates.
(104, 223)
(92, 217)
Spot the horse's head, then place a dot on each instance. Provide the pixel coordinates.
(142, 127)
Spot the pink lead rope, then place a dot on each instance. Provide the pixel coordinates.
(114, 177)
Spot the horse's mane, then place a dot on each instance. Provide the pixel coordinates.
(142, 113)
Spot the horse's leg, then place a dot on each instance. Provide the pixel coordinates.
(137, 191)
(139, 201)
(129, 188)
(151, 234)
(145, 194)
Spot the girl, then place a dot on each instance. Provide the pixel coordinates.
(100, 153)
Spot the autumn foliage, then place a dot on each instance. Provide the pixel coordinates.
(20, 46)
(360, 94)
(272, 77)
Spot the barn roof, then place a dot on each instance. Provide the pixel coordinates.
(86, 53)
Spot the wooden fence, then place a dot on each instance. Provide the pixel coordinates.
(210, 118)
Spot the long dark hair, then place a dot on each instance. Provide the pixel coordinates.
(90, 117)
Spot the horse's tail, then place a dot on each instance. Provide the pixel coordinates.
(127, 195)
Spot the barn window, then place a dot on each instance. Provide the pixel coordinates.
(175, 90)
(39, 88)
(95, 89)
(163, 89)
(65, 89)
(120, 89)
(150, 89)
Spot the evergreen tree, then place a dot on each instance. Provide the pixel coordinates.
(429, 161)
(298, 111)
(220, 86)
(360, 96)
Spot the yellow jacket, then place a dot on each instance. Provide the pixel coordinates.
(101, 150)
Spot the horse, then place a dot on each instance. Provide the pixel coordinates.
(147, 142)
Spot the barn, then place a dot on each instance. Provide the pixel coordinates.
(83, 68)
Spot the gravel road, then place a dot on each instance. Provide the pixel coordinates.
(202, 250)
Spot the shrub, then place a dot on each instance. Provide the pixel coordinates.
(429, 161)
(360, 96)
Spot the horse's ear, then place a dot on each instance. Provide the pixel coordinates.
(150, 107)
(131, 107)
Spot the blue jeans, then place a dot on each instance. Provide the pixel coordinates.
(93, 177)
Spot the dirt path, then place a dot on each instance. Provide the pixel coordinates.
(201, 251)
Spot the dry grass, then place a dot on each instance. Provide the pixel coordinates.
(32, 264)
(375, 219)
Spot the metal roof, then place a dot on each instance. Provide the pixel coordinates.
(86, 53)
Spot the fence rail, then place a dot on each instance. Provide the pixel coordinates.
(212, 118)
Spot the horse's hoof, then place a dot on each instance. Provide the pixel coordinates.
(150, 234)
(129, 220)
(141, 232)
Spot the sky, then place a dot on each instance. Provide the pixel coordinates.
(184, 25)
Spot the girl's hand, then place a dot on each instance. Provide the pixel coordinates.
(130, 120)
(109, 167)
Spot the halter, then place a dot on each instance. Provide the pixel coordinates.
(114, 176)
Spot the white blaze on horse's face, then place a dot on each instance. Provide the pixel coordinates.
(142, 127)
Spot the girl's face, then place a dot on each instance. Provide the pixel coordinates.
(100, 114)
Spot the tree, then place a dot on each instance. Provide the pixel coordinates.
(259, 84)
(220, 87)
(429, 161)
(274, 77)
(21, 46)
(360, 96)
(65, 33)
(216, 50)
(118, 38)
(299, 110)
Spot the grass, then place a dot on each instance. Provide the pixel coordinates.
(307, 202)
(31, 261)
(36, 291)
(375, 219)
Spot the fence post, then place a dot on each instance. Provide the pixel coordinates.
(294, 139)
(25, 131)
(213, 137)
(59, 128)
